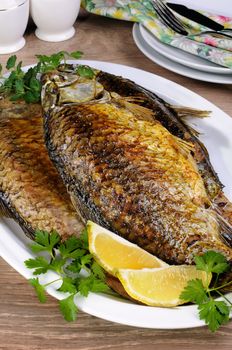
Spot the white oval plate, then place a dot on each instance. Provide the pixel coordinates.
(162, 61)
(180, 56)
(217, 138)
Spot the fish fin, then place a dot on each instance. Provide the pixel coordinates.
(131, 103)
(185, 146)
(138, 111)
(184, 112)
(194, 132)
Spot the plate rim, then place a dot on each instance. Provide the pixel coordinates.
(177, 67)
(86, 304)
(207, 69)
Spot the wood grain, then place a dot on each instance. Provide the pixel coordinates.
(25, 324)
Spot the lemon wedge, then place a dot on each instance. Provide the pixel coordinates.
(113, 252)
(160, 286)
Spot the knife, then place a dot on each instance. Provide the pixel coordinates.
(195, 16)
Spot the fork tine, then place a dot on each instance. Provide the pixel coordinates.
(163, 18)
(169, 14)
(178, 28)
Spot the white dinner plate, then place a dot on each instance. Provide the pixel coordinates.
(169, 64)
(181, 56)
(216, 135)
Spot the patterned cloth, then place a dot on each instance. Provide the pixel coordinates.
(214, 49)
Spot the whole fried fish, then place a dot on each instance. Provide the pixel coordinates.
(31, 190)
(132, 166)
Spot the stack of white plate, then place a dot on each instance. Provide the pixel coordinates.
(178, 60)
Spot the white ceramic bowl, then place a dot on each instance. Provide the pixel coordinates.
(54, 18)
(13, 21)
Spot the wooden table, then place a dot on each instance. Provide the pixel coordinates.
(25, 324)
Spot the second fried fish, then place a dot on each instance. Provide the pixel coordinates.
(31, 190)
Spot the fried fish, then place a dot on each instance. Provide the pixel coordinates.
(31, 190)
(131, 165)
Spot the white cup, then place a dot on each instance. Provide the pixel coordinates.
(14, 16)
(54, 18)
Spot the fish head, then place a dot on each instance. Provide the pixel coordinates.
(68, 85)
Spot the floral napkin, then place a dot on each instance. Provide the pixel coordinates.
(214, 49)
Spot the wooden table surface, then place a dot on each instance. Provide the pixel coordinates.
(25, 324)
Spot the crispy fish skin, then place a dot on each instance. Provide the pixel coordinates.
(133, 177)
(168, 117)
(31, 190)
(177, 126)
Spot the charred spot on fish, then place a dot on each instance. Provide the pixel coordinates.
(191, 240)
(221, 204)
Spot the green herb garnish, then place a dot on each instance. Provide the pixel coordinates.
(214, 312)
(49, 63)
(69, 260)
(20, 85)
(85, 71)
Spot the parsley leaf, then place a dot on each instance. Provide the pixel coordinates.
(85, 285)
(99, 286)
(84, 239)
(91, 284)
(86, 259)
(75, 266)
(212, 261)
(68, 286)
(52, 62)
(45, 241)
(85, 71)
(194, 292)
(214, 313)
(11, 62)
(40, 264)
(68, 308)
(57, 264)
(98, 271)
(67, 259)
(39, 288)
(76, 54)
(71, 248)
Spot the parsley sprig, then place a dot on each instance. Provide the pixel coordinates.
(20, 85)
(214, 312)
(74, 265)
(71, 258)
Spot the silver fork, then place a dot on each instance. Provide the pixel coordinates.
(171, 21)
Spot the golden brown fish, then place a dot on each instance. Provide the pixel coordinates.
(130, 168)
(31, 190)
